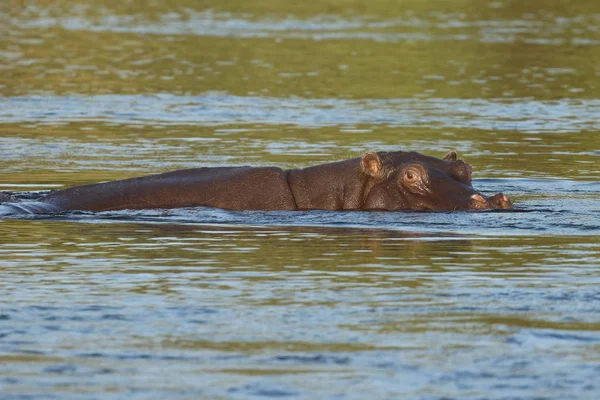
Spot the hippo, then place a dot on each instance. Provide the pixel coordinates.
(376, 181)
(456, 168)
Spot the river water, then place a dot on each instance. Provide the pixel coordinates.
(204, 303)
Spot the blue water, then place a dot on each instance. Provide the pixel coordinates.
(202, 303)
(215, 109)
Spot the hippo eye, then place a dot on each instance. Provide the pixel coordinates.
(415, 179)
(411, 176)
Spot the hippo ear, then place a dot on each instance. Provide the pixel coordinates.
(450, 156)
(371, 164)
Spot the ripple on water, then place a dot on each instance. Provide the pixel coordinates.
(205, 303)
(435, 26)
(214, 109)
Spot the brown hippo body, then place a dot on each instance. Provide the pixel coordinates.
(376, 181)
(235, 188)
(341, 185)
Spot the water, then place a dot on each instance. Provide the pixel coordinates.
(205, 303)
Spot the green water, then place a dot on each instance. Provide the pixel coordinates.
(200, 303)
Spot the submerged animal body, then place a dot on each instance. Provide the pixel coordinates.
(376, 181)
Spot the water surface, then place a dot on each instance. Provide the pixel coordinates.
(204, 303)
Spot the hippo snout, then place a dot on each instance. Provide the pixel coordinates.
(478, 202)
(500, 201)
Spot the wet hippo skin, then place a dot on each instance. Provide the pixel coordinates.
(450, 164)
(375, 181)
(236, 188)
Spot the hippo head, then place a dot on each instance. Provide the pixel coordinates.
(416, 185)
(450, 164)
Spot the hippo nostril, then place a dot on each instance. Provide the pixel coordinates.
(500, 201)
(506, 203)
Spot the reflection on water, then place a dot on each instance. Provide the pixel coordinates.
(382, 51)
(205, 303)
(567, 115)
(578, 29)
(297, 310)
(411, 22)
